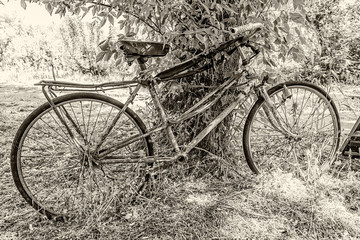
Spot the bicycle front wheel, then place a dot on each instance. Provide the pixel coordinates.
(312, 130)
(55, 172)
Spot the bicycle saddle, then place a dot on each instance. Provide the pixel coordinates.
(144, 49)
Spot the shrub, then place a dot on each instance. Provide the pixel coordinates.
(80, 42)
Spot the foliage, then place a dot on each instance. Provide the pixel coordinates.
(190, 25)
(69, 47)
(24, 46)
(80, 41)
(336, 25)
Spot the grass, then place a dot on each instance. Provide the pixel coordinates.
(318, 204)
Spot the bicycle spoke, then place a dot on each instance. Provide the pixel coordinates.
(61, 177)
(96, 121)
(311, 120)
(88, 121)
(55, 131)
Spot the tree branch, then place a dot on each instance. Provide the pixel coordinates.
(153, 26)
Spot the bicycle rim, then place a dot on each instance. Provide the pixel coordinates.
(309, 114)
(56, 177)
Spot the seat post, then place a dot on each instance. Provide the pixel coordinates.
(141, 62)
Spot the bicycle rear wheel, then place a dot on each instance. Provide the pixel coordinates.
(308, 113)
(56, 175)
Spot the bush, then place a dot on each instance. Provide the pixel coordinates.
(80, 41)
(336, 25)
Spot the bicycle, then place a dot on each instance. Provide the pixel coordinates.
(74, 151)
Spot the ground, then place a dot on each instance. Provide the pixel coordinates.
(273, 206)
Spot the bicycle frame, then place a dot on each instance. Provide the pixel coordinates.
(101, 155)
(167, 124)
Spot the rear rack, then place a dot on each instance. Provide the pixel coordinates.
(82, 87)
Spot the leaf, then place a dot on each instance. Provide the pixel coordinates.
(102, 23)
(298, 3)
(296, 57)
(59, 10)
(312, 58)
(272, 62)
(121, 24)
(49, 8)
(130, 34)
(277, 41)
(23, 4)
(302, 40)
(266, 62)
(94, 10)
(85, 10)
(286, 27)
(281, 56)
(104, 45)
(116, 55)
(127, 29)
(102, 14)
(111, 19)
(100, 56)
(119, 61)
(107, 56)
(297, 17)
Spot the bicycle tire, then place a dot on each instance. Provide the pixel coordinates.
(48, 170)
(267, 150)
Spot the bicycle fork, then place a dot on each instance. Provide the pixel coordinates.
(273, 115)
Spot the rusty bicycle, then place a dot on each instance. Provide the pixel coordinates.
(79, 150)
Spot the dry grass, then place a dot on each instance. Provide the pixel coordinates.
(319, 204)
